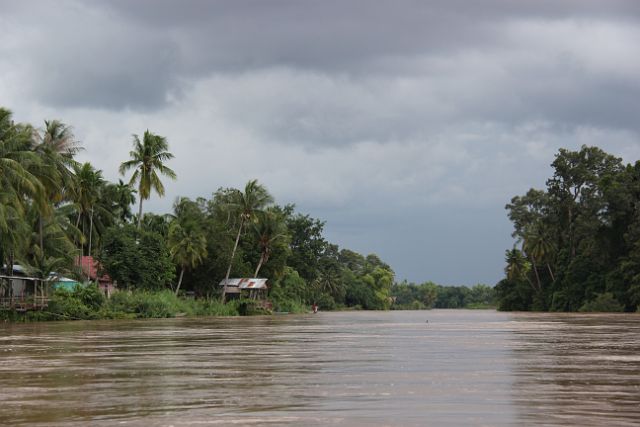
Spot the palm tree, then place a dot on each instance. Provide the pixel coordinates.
(16, 158)
(121, 196)
(14, 229)
(17, 184)
(57, 235)
(269, 230)
(86, 196)
(188, 248)
(44, 268)
(517, 266)
(58, 144)
(56, 148)
(537, 246)
(245, 205)
(147, 158)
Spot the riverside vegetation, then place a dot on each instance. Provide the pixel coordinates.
(578, 240)
(54, 209)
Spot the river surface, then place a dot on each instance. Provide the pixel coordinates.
(411, 368)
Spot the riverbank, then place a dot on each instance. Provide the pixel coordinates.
(88, 303)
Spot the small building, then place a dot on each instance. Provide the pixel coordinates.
(65, 283)
(91, 270)
(21, 292)
(251, 288)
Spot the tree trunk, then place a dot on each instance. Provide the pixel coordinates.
(140, 213)
(553, 278)
(179, 281)
(233, 254)
(10, 270)
(41, 230)
(90, 229)
(75, 240)
(533, 286)
(535, 271)
(262, 260)
(572, 244)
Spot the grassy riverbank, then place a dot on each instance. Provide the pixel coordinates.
(88, 303)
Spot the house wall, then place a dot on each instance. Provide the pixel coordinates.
(19, 287)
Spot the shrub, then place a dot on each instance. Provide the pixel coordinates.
(604, 302)
(136, 259)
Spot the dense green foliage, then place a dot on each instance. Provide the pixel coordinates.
(409, 296)
(578, 241)
(88, 303)
(136, 258)
(54, 209)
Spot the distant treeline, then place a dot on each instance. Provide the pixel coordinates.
(410, 296)
(578, 240)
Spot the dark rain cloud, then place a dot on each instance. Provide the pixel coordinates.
(140, 54)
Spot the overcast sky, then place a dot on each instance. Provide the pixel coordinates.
(406, 125)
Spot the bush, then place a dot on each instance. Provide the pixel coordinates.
(604, 302)
(80, 304)
(136, 258)
(90, 296)
(213, 307)
(87, 302)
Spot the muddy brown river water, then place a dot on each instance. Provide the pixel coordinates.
(412, 368)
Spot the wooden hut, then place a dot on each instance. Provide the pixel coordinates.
(255, 289)
(21, 292)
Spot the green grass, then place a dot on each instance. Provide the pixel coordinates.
(88, 303)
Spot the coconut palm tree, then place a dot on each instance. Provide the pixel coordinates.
(56, 147)
(188, 248)
(87, 191)
(14, 229)
(18, 185)
(16, 158)
(121, 196)
(245, 206)
(44, 268)
(269, 230)
(538, 247)
(518, 267)
(147, 159)
(57, 235)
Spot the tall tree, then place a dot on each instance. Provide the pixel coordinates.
(269, 230)
(188, 247)
(537, 245)
(87, 195)
(147, 160)
(518, 267)
(120, 196)
(17, 184)
(245, 205)
(56, 147)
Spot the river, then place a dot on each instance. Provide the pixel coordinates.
(411, 368)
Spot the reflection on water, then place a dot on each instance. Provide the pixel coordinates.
(440, 367)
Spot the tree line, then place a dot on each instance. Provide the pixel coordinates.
(411, 296)
(578, 240)
(54, 209)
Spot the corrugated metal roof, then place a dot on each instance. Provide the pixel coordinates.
(246, 283)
